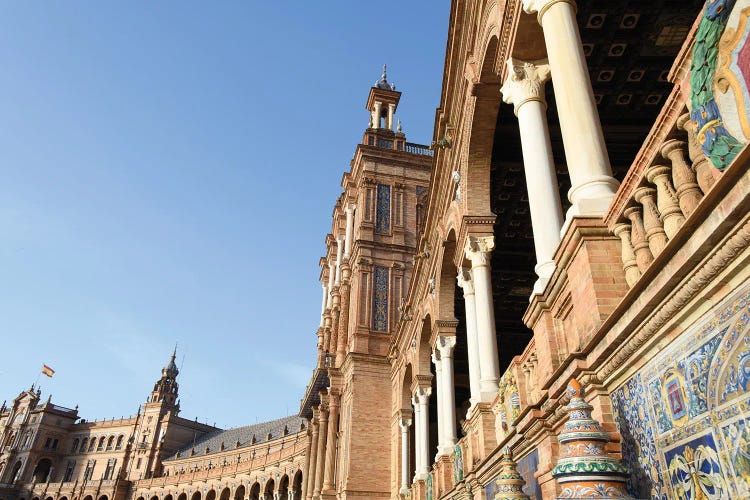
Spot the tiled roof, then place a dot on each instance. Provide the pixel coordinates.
(242, 435)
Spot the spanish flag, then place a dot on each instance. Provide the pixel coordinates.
(48, 371)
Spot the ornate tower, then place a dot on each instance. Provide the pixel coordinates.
(165, 389)
(365, 273)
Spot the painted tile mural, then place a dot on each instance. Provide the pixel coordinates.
(383, 214)
(380, 300)
(527, 467)
(685, 417)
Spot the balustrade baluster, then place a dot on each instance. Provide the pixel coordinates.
(643, 256)
(666, 199)
(688, 192)
(705, 172)
(657, 238)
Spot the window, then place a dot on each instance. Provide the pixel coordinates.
(380, 299)
(138, 464)
(74, 448)
(89, 472)
(69, 471)
(100, 446)
(119, 442)
(383, 207)
(47, 443)
(92, 444)
(84, 442)
(110, 443)
(110, 470)
(54, 444)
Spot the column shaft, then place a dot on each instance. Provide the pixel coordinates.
(333, 421)
(440, 396)
(418, 437)
(320, 458)
(541, 181)
(343, 333)
(423, 397)
(479, 252)
(404, 425)
(349, 235)
(339, 254)
(593, 186)
(309, 478)
(446, 345)
(472, 342)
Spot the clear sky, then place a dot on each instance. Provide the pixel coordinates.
(168, 175)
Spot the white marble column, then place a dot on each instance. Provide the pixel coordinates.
(472, 343)
(524, 88)
(391, 111)
(349, 235)
(593, 186)
(378, 107)
(325, 303)
(404, 424)
(422, 435)
(439, 386)
(339, 253)
(445, 345)
(417, 436)
(331, 281)
(479, 252)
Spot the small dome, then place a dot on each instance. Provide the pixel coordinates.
(383, 82)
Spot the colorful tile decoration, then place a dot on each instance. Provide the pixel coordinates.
(527, 468)
(684, 417)
(383, 214)
(380, 300)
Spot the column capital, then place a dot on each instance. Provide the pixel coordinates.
(404, 423)
(525, 82)
(541, 6)
(479, 249)
(464, 280)
(350, 208)
(423, 394)
(435, 357)
(445, 344)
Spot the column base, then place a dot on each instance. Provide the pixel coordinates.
(404, 492)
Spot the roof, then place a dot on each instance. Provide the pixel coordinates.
(242, 435)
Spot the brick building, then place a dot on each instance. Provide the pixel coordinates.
(549, 302)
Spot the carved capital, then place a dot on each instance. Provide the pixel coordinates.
(479, 249)
(423, 395)
(464, 280)
(525, 82)
(542, 6)
(445, 344)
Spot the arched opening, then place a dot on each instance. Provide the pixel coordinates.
(100, 446)
(426, 368)
(239, 493)
(168, 497)
(41, 471)
(211, 495)
(16, 472)
(92, 444)
(140, 498)
(255, 492)
(49, 498)
(74, 447)
(225, 494)
(120, 439)
(284, 486)
(154, 497)
(268, 490)
(406, 406)
(63, 498)
(103, 497)
(297, 486)
(88, 497)
(110, 443)
(196, 496)
(182, 496)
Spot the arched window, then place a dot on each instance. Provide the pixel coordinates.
(74, 448)
(110, 443)
(92, 444)
(119, 442)
(84, 443)
(100, 446)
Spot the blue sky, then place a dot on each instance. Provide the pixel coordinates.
(168, 175)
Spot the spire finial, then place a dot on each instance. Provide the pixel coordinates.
(398, 128)
(384, 73)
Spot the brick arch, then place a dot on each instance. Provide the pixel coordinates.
(422, 362)
(407, 377)
(446, 278)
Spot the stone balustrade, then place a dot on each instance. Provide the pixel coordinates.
(518, 388)
(670, 187)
